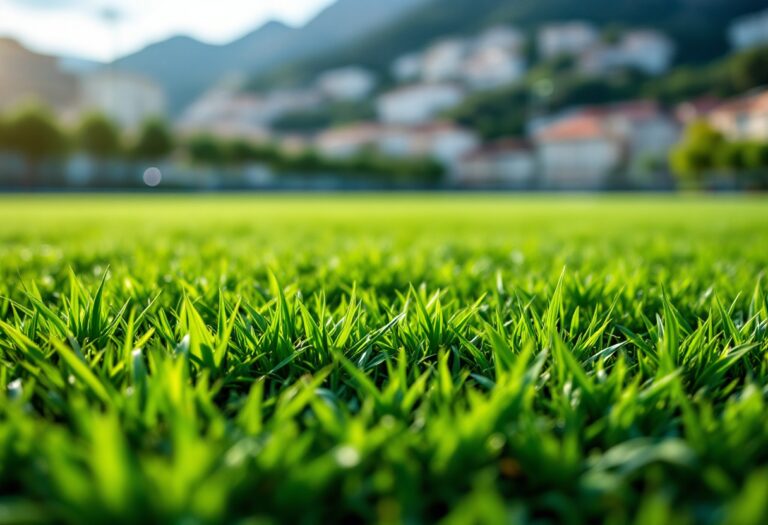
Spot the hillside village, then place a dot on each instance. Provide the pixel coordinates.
(575, 148)
(406, 112)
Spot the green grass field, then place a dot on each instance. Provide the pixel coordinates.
(393, 359)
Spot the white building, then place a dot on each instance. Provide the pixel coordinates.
(584, 149)
(743, 118)
(444, 60)
(443, 141)
(507, 163)
(233, 113)
(347, 84)
(417, 103)
(228, 114)
(407, 68)
(492, 67)
(578, 153)
(347, 141)
(650, 52)
(568, 38)
(503, 37)
(749, 31)
(125, 98)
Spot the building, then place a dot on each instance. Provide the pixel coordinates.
(347, 141)
(347, 84)
(649, 52)
(749, 31)
(418, 103)
(508, 163)
(578, 153)
(566, 39)
(743, 118)
(29, 76)
(491, 67)
(588, 147)
(444, 142)
(227, 114)
(444, 60)
(233, 113)
(503, 37)
(126, 98)
(407, 68)
(696, 109)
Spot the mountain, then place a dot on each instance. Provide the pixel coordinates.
(186, 67)
(697, 26)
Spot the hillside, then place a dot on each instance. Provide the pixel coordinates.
(185, 67)
(697, 26)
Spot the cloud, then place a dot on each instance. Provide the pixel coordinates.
(47, 4)
(80, 27)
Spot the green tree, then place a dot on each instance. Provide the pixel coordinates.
(749, 69)
(34, 133)
(242, 151)
(756, 156)
(99, 137)
(698, 153)
(731, 156)
(3, 134)
(155, 141)
(207, 149)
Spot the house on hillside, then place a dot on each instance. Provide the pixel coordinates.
(490, 67)
(228, 114)
(649, 52)
(417, 103)
(126, 98)
(443, 61)
(566, 39)
(347, 84)
(347, 141)
(749, 31)
(507, 163)
(407, 68)
(695, 109)
(578, 153)
(590, 147)
(743, 118)
(444, 142)
(501, 37)
(236, 114)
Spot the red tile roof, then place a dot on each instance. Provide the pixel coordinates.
(584, 126)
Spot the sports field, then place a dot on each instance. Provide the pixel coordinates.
(383, 359)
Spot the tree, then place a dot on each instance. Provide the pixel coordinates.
(155, 141)
(34, 134)
(731, 156)
(756, 156)
(207, 149)
(243, 151)
(698, 153)
(749, 69)
(3, 134)
(99, 137)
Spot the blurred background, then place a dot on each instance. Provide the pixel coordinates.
(524, 95)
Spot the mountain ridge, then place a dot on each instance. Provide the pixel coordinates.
(168, 62)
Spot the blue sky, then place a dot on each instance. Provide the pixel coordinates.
(79, 28)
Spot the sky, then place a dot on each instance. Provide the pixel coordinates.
(84, 29)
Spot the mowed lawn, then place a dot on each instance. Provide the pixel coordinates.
(383, 359)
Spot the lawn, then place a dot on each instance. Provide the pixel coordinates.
(383, 359)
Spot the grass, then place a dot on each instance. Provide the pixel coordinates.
(383, 359)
